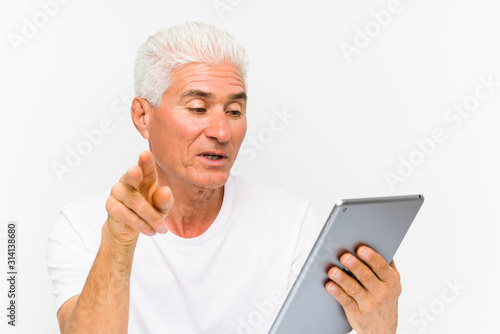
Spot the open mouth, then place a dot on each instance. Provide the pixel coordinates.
(213, 156)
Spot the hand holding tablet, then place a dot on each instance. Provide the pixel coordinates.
(369, 297)
(379, 223)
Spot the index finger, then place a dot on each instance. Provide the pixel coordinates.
(149, 176)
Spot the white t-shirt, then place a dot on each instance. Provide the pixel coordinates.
(231, 279)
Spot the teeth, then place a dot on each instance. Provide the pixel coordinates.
(213, 156)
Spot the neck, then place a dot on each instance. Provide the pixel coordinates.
(194, 209)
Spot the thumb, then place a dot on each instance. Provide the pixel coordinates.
(163, 199)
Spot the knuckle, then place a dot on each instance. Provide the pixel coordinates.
(148, 172)
(117, 190)
(114, 190)
(366, 277)
(380, 266)
(147, 213)
(165, 209)
(394, 283)
(148, 231)
(346, 301)
(136, 224)
(354, 289)
(382, 295)
(110, 204)
(157, 222)
(395, 289)
(144, 228)
(370, 306)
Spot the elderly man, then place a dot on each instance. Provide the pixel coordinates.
(222, 256)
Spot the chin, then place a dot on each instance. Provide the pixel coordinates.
(211, 180)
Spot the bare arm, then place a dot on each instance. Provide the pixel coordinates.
(104, 301)
(136, 205)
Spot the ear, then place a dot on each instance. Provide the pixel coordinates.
(141, 112)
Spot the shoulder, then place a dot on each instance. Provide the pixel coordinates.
(82, 219)
(87, 208)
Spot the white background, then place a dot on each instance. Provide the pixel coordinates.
(353, 122)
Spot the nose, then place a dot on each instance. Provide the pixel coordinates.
(218, 127)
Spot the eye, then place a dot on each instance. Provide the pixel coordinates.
(197, 110)
(235, 113)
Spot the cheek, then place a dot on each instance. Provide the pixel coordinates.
(163, 127)
(159, 130)
(238, 132)
(173, 133)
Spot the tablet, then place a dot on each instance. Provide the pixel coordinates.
(380, 223)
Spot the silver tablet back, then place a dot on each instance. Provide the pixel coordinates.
(380, 223)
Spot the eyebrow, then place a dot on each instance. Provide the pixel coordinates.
(197, 93)
(207, 95)
(239, 96)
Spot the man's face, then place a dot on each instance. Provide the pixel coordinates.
(198, 129)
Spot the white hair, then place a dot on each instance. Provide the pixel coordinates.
(172, 48)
